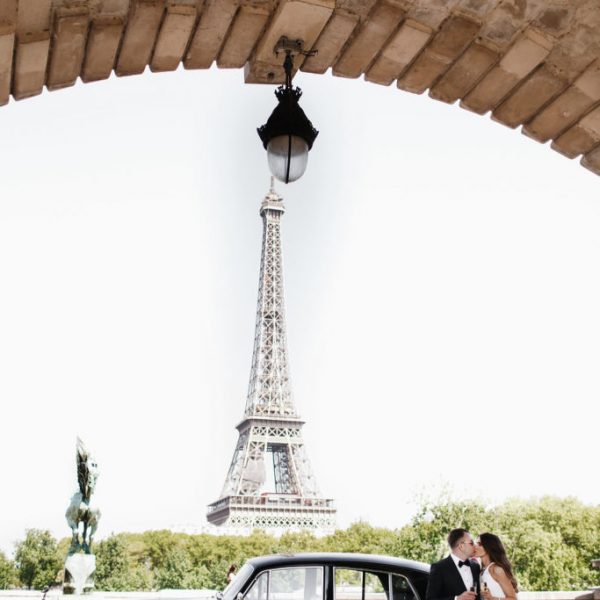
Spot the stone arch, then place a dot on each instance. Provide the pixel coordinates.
(531, 63)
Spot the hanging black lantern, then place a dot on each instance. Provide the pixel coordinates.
(287, 135)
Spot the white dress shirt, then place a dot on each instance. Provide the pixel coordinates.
(465, 572)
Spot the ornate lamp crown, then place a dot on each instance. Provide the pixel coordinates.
(288, 135)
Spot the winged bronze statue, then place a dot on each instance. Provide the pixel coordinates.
(81, 516)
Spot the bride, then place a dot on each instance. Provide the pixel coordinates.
(497, 579)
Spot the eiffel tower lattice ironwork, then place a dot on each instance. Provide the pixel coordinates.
(270, 483)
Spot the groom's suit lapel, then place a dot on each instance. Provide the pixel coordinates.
(455, 575)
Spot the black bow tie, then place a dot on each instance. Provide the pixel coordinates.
(466, 563)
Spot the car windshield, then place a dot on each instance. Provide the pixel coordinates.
(232, 590)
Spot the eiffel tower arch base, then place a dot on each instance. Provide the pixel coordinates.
(275, 514)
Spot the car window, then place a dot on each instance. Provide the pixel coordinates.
(401, 589)
(259, 588)
(294, 583)
(297, 583)
(352, 584)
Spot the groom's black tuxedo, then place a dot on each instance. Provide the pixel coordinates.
(445, 581)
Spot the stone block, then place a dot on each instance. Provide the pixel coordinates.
(103, 43)
(455, 34)
(79, 569)
(329, 44)
(464, 74)
(297, 19)
(555, 20)
(114, 7)
(431, 12)
(506, 22)
(31, 59)
(558, 116)
(521, 106)
(68, 46)
(400, 52)
(140, 35)
(33, 17)
(580, 138)
(453, 37)
(31, 46)
(210, 33)
(8, 16)
(373, 33)
(591, 161)
(173, 37)
(248, 24)
(7, 42)
(565, 110)
(526, 54)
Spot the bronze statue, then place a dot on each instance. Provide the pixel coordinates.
(80, 512)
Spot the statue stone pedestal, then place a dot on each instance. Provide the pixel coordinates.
(79, 570)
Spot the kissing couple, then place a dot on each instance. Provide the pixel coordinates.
(460, 577)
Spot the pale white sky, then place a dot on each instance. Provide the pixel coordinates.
(442, 287)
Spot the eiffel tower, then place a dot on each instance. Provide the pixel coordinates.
(270, 484)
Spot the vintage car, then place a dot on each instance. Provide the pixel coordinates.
(328, 576)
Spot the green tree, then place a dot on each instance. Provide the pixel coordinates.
(540, 559)
(159, 544)
(114, 569)
(549, 540)
(360, 537)
(140, 579)
(8, 575)
(211, 555)
(175, 571)
(37, 560)
(424, 538)
(112, 564)
(298, 541)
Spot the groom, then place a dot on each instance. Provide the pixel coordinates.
(454, 577)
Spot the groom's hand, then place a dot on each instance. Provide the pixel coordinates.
(467, 596)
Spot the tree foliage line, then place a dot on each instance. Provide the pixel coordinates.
(551, 542)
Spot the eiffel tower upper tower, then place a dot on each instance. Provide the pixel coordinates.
(270, 483)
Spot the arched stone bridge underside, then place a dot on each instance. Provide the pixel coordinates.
(534, 63)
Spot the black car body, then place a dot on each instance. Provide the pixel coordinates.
(329, 576)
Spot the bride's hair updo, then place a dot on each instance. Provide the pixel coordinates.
(495, 550)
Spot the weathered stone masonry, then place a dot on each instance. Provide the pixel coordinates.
(532, 63)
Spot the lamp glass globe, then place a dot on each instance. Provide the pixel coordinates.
(287, 156)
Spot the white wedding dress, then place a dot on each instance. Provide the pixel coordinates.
(493, 585)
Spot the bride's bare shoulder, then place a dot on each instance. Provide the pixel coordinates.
(497, 571)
